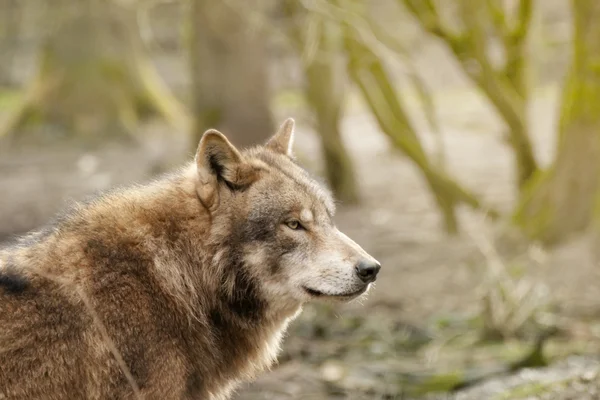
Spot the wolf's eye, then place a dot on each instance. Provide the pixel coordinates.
(295, 225)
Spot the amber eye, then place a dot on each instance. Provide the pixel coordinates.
(295, 225)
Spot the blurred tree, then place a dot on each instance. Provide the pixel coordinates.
(94, 79)
(467, 35)
(9, 35)
(369, 73)
(562, 200)
(229, 66)
(325, 82)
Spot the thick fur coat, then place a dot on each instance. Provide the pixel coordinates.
(179, 289)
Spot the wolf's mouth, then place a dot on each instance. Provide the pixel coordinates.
(317, 293)
(312, 292)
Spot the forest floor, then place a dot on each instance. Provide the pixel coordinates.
(418, 328)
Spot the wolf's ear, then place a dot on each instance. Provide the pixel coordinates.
(217, 160)
(283, 140)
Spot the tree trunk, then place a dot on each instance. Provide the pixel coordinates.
(94, 80)
(321, 96)
(229, 66)
(324, 90)
(562, 200)
(372, 79)
(9, 35)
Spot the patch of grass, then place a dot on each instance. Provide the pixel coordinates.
(511, 305)
(529, 390)
(443, 382)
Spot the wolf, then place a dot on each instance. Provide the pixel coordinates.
(178, 289)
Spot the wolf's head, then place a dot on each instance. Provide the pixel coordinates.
(278, 221)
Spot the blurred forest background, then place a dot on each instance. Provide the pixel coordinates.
(462, 139)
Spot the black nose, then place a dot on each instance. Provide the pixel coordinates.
(367, 270)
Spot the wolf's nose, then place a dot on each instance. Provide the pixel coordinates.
(367, 270)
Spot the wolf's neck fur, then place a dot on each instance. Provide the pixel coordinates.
(207, 276)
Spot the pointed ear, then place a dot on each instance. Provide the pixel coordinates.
(218, 161)
(283, 140)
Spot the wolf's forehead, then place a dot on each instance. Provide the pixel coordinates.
(303, 187)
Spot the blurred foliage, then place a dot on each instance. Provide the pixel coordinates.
(370, 75)
(94, 75)
(93, 82)
(474, 31)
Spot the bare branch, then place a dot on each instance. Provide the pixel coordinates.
(427, 14)
(524, 14)
(505, 87)
(497, 14)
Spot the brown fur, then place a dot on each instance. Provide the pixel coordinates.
(178, 289)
